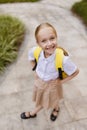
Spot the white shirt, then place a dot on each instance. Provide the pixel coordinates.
(46, 69)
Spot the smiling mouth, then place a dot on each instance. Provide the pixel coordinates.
(52, 47)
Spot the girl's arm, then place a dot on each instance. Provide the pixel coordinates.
(70, 77)
(33, 64)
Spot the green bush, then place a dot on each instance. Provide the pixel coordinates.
(80, 8)
(13, 1)
(84, 0)
(11, 36)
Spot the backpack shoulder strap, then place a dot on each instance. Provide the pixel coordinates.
(59, 58)
(64, 51)
(37, 53)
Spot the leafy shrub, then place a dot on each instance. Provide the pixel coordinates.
(11, 36)
(80, 8)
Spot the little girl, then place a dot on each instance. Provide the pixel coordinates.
(48, 86)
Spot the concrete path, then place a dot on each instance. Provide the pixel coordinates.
(16, 84)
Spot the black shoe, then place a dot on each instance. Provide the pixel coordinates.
(52, 116)
(23, 116)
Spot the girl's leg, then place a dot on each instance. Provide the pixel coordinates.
(32, 114)
(54, 113)
(35, 111)
(56, 109)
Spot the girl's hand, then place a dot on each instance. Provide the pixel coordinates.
(32, 63)
(70, 77)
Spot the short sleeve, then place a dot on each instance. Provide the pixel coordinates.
(31, 54)
(68, 65)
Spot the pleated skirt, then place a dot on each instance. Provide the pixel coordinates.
(47, 93)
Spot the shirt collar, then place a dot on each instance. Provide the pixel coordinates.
(50, 58)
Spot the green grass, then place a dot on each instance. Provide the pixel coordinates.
(12, 32)
(80, 9)
(14, 1)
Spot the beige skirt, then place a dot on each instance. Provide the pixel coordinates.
(47, 93)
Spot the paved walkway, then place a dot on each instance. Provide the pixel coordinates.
(17, 81)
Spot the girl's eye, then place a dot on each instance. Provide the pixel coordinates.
(43, 41)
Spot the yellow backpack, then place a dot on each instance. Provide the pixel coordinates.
(60, 52)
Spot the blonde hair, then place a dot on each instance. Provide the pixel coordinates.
(42, 26)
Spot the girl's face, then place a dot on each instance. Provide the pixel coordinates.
(47, 40)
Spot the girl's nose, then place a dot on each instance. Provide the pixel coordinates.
(49, 42)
